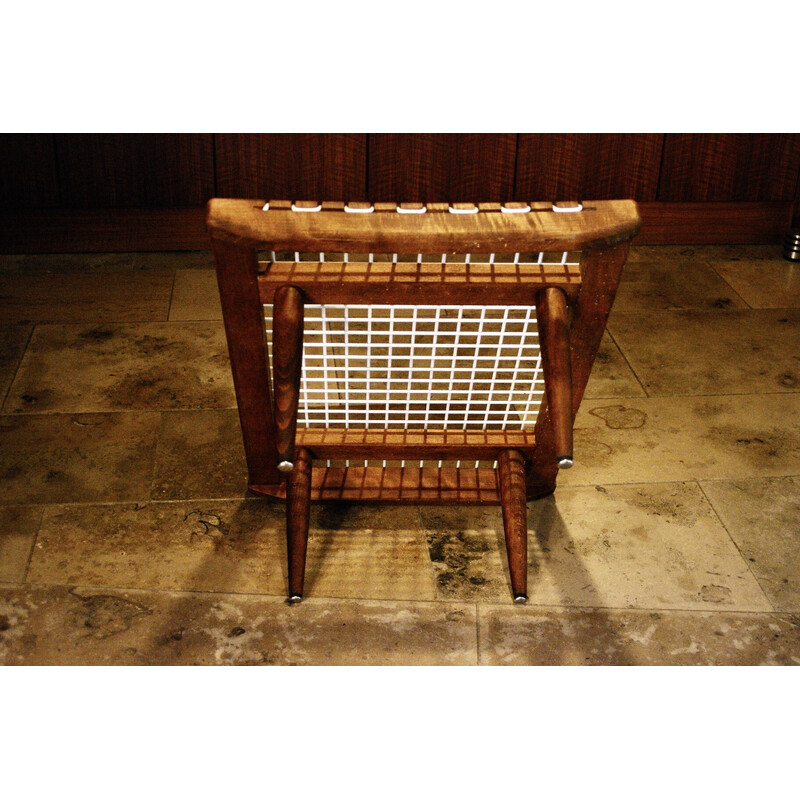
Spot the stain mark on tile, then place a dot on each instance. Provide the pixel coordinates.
(207, 526)
(715, 594)
(105, 615)
(619, 417)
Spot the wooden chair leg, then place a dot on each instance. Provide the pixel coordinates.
(553, 319)
(511, 465)
(287, 358)
(298, 508)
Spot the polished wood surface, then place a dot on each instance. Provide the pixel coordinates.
(126, 230)
(410, 282)
(601, 224)
(441, 166)
(28, 174)
(287, 358)
(244, 329)
(148, 170)
(552, 317)
(291, 165)
(578, 165)
(298, 509)
(511, 481)
(724, 167)
(409, 484)
(447, 445)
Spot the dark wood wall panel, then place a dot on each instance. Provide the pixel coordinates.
(597, 166)
(730, 167)
(292, 166)
(135, 170)
(409, 167)
(28, 176)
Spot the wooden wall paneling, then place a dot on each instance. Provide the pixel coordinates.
(292, 166)
(28, 171)
(592, 166)
(145, 170)
(439, 167)
(729, 167)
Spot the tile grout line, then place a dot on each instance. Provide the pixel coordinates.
(738, 550)
(16, 369)
(625, 359)
(34, 540)
(510, 606)
(711, 266)
(255, 498)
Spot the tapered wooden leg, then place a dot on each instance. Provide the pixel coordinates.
(511, 467)
(287, 358)
(553, 323)
(298, 507)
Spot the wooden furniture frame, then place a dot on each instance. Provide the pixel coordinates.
(570, 302)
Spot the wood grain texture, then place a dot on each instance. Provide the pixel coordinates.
(125, 230)
(28, 177)
(433, 445)
(298, 509)
(147, 170)
(426, 485)
(726, 167)
(452, 167)
(553, 322)
(287, 359)
(574, 166)
(511, 480)
(299, 166)
(243, 315)
(603, 223)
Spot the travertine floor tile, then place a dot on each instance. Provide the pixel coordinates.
(136, 296)
(233, 546)
(685, 283)
(75, 368)
(18, 526)
(76, 458)
(675, 254)
(611, 376)
(773, 284)
(467, 550)
(763, 518)
(375, 552)
(646, 546)
(685, 438)
(13, 339)
(175, 259)
(200, 454)
(41, 625)
(196, 296)
(702, 352)
(60, 263)
(540, 637)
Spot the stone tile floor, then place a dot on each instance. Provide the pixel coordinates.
(127, 534)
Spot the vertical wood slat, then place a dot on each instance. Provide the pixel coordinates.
(147, 170)
(28, 177)
(243, 315)
(596, 166)
(294, 166)
(451, 167)
(730, 167)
